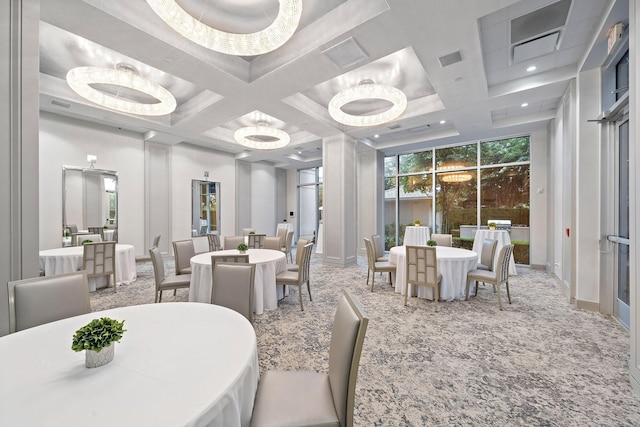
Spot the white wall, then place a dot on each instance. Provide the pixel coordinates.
(538, 199)
(65, 141)
(263, 198)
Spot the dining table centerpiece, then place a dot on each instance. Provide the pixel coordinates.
(417, 223)
(242, 248)
(98, 338)
(432, 243)
(492, 225)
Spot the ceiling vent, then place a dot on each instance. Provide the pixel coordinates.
(536, 47)
(449, 59)
(540, 22)
(420, 128)
(394, 126)
(346, 53)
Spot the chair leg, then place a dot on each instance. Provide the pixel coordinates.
(467, 290)
(406, 293)
(373, 279)
(436, 297)
(368, 272)
(160, 299)
(309, 289)
(300, 294)
(156, 296)
(174, 292)
(499, 297)
(477, 286)
(508, 296)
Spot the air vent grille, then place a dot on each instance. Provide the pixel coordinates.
(346, 53)
(450, 59)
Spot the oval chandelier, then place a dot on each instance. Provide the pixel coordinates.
(367, 89)
(460, 176)
(262, 137)
(80, 80)
(250, 44)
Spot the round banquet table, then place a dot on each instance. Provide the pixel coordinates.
(502, 236)
(453, 264)
(416, 236)
(164, 373)
(268, 264)
(69, 259)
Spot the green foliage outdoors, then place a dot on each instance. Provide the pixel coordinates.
(242, 247)
(98, 334)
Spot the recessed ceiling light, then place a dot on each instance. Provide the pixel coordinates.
(532, 68)
(443, 122)
(524, 104)
(299, 152)
(376, 136)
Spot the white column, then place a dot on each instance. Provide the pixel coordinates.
(19, 105)
(339, 200)
(370, 195)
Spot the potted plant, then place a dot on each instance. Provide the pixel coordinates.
(492, 225)
(417, 223)
(252, 232)
(242, 248)
(86, 241)
(432, 243)
(98, 338)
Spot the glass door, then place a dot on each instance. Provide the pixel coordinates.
(621, 239)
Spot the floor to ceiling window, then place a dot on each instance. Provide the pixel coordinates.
(455, 190)
(309, 202)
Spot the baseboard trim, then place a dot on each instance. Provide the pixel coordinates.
(588, 305)
(541, 267)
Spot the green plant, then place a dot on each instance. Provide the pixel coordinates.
(67, 233)
(417, 223)
(432, 243)
(242, 247)
(98, 334)
(252, 232)
(491, 225)
(86, 241)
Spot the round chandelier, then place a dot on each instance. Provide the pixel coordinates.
(460, 176)
(262, 137)
(80, 80)
(367, 89)
(266, 40)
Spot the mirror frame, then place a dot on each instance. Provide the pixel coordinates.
(103, 172)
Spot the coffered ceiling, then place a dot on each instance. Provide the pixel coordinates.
(462, 65)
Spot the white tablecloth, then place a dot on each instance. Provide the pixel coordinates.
(416, 236)
(178, 364)
(108, 234)
(268, 264)
(69, 259)
(502, 236)
(453, 264)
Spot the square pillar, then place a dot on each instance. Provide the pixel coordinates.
(339, 200)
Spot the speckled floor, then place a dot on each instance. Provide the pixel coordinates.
(540, 362)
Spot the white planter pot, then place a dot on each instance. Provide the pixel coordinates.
(94, 359)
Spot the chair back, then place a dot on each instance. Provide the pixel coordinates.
(303, 270)
(488, 253)
(156, 241)
(94, 238)
(214, 242)
(246, 231)
(273, 243)
(40, 300)
(347, 337)
(158, 265)
(96, 230)
(370, 253)
(232, 286)
(240, 258)
(300, 249)
(72, 228)
(233, 242)
(376, 239)
(183, 251)
(282, 234)
(256, 241)
(421, 266)
(502, 266)
(288, 241)
(99, 259)
(443, 239)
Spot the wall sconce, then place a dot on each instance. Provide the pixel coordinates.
(91, 159)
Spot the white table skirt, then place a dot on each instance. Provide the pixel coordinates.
(453, 264)
(416, 236)
(268, 264)
(164, 373)
(502, 236)
(69, 259)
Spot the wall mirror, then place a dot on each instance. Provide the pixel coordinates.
(205, 207)
(89, 199)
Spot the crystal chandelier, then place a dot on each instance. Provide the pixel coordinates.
(460, 176)
(262, 137)
(367, 89)
(266, 40)
(80, 80)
